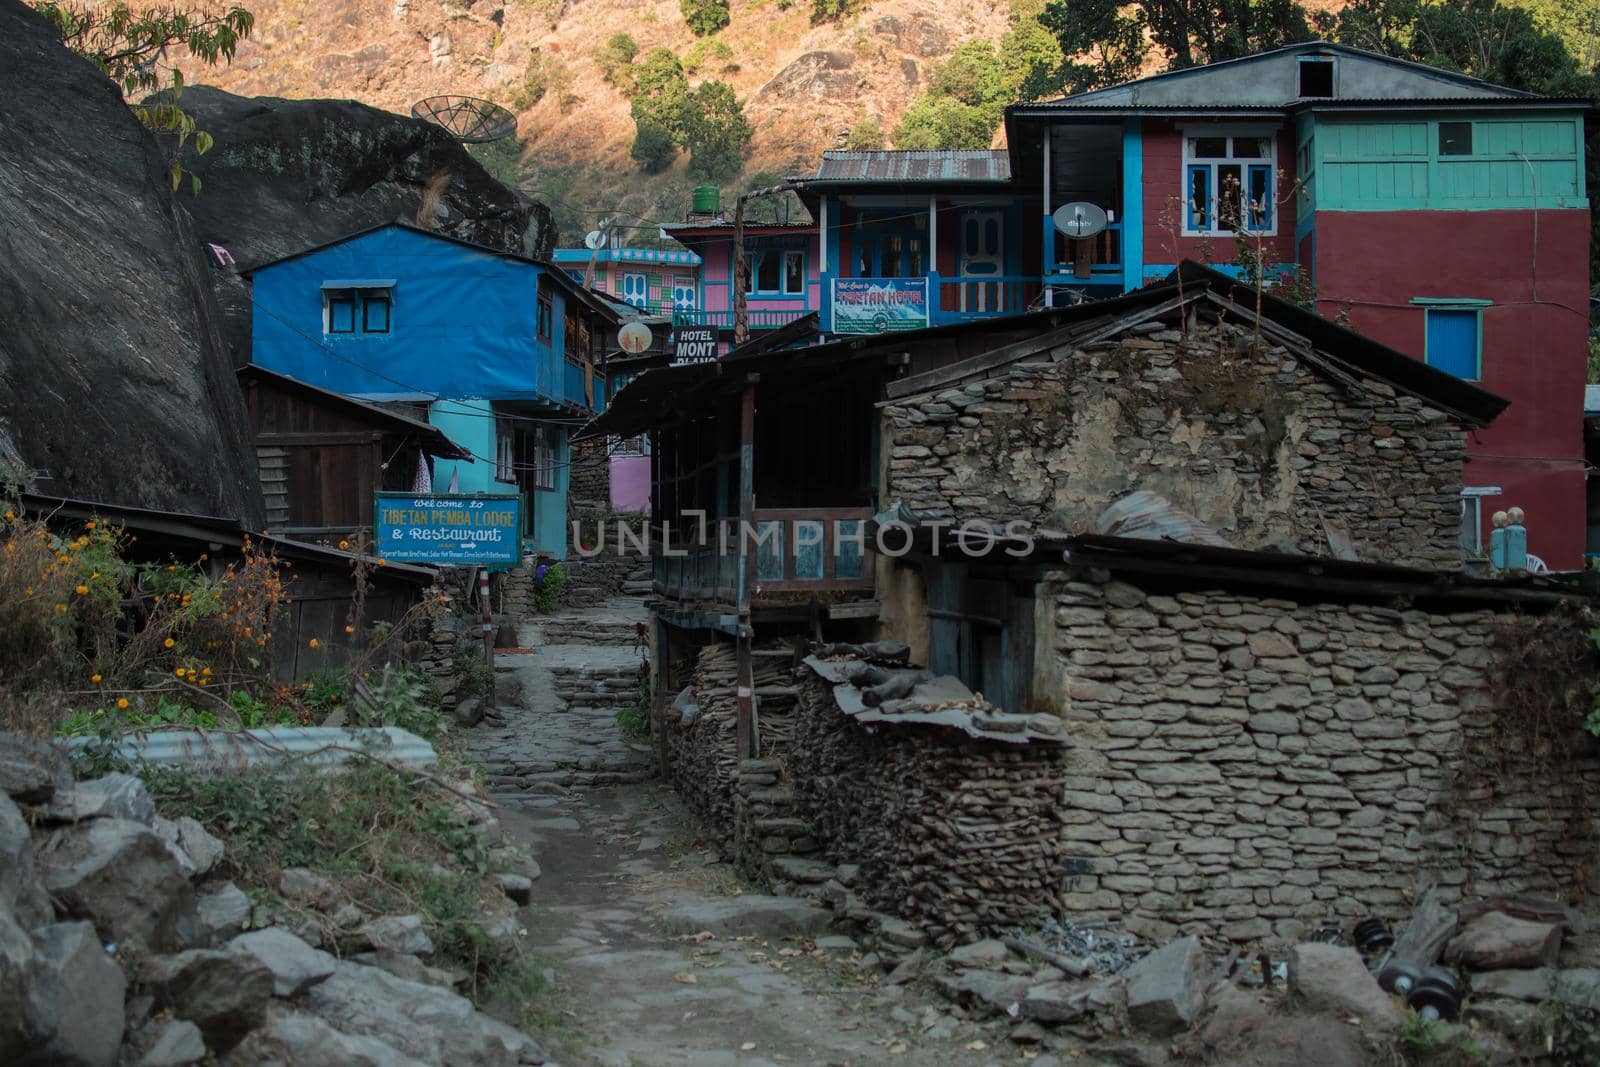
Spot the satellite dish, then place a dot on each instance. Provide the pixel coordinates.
(1079, 219)
(593, 240)
(634, 338)
(470, 119)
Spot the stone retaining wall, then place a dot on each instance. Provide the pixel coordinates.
(1248, 766)
(1251, 440)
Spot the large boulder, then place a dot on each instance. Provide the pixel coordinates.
(20, 888)
(1496, 941)
(431, 1024)
(1333, 979)
(294, 1039)
(191, 844)
(80, 992)
(119, 875)
(295, 965)
(286, 175)
(30, 771)
(115, 384)
(224, 994)
(1164, 988)
(114, 796)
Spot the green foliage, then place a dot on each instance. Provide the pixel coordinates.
(716, 133)
(704, 16)
(866, 135)
(476, 676)
(706, 53)
(548, 593)
(833, 10)
(944, 122)
(541, 77)
(1572, 1023)
(131, 45)
(778, 209)
(653, 147)
(404, 698)
(615, 58)
(634, 720)
(1594, 359)
(707, 120)
(502, 159)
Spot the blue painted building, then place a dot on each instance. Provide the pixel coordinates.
(505, 354)
(655, 281)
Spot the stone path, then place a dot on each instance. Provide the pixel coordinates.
(657, 956)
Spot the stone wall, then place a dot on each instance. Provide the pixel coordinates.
(589, 484)
(1260, 446)
(1247, 766)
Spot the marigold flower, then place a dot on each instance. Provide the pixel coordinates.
(82, 589)
(206, 670)
(344, 544)
(349, 629)
(179, 672)
(312, 642)
(89, 525)
(168, 643)
(95, 678)
(28, 591)
(11, 516)
(61, 609)
(122, 702)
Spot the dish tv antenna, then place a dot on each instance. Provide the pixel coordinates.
(1080, 222)
(470, 119)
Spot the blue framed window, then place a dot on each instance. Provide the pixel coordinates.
(777, 272)
(1453, 336)
(1228, 181)
(353, 307)
(341, 311)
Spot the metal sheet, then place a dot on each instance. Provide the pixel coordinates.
(933, 165)
(318, 746)
(1150, 516)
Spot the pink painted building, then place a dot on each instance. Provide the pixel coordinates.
(785, 274)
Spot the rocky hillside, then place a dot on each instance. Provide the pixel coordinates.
(803, 86)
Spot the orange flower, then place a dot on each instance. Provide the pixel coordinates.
(122, 702)
(179, 672)
(95, 678)
(312, 642)
(82, 590)
(61, 609)
(344, 544)
(11, 516)
(89, 525)
(168, 643)
(206, 671)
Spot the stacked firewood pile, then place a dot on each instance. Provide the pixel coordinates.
(959, 835)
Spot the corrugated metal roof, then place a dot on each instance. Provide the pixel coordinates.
(316, 746)
(918, 165)
(1147, 514)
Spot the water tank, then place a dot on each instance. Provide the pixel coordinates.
(707, 200)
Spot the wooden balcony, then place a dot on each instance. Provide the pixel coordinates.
(790, 550)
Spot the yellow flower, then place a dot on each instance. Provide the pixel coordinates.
(89, 525)
(61, 609)
(28, 591)
(312, 642)
(95, 678)
(122, 702)
(94, 575)
(11, 516)
(168, 643)
(349, 629)
(206, 670)
(344, 544)
(82, 590)
(179, 672)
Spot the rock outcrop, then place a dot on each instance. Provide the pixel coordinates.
(115, 384)
(287, 175)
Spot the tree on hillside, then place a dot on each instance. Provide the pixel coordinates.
(615, 58)
(704, 16)
(1116, 39)
(653, 146)
(716, 133)
(131, 48)
(944, 122)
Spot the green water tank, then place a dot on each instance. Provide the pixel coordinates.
(707, 200)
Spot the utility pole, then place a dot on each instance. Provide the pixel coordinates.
(741, 268)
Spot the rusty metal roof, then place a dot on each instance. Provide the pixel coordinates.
(917, 165)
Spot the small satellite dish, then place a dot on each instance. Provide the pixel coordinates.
(1079, 219)
(471, 119)
(634, 338)
(593, 240)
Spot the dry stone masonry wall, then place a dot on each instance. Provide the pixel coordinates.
(1248, 766)
(1245, 436)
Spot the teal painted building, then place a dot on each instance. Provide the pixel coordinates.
(505, 354)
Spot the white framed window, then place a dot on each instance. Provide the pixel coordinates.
(1229, 181)
(684, 294)
(777, 273)
(505, 452)
(544, 457)
(1472, 508)
(636, 289)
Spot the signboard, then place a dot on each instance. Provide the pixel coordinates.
(694, 344)
(879, 305)
(458, 531)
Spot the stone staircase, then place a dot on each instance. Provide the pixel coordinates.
(592, 582)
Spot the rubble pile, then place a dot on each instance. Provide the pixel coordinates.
(954, 833)
(121, 943)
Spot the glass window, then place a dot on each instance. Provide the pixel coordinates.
(767, 274)
(794, 273)
(341, 307)
(991, 237)
(636, 290)
(544, 457)
(1229, 184)
(864, 259)
(915, 267)
(1455, 138)
(546, 315)
(891, 256)
(375, 311)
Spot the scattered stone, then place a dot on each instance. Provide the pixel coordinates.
(1000, 993)
(1054, 1002)
(222, 913)
(1163, 988)
(899, 932)
(987, 953)
(83, 989)
(469, 712)
(301, 885)
(907, 969)
(1497, 941)
(431, 1024)
(118, 874)
(1533, 985)
(1334, 979)
(295, 1039)
(295, 965)
(1027, 1033)
(798, 869)
(224, 994)
(411, 969)
(178, 1044)
(518, 1045)
(115, 796)
(196, 851)
(515, 886)
(836, 943)
(30, 770)
(762, 916)
(397, 933)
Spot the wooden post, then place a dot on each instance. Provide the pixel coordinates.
(741, 278)
(745, 684)
(488, 633)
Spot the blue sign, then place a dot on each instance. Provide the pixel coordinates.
(879, 305)
(458, 531)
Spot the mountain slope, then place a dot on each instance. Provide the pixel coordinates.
(803, 86)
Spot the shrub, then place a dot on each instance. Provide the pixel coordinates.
(541, 77)
(866, 135)
(615, 58)
(704, 53)
(547, 591)
(832, 10)
(944, 122)
(704, 16)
